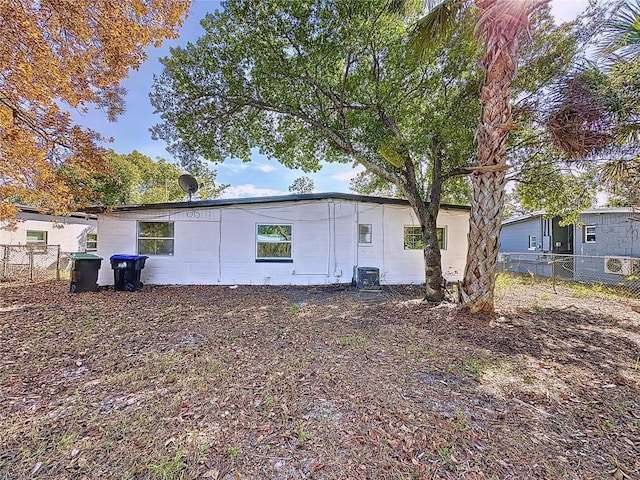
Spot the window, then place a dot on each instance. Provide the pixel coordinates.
(37, 240)
(273, 243)
(36, 237)
(92, 242)
(413, 238)
(364, 233)
(590, 233)
(155, 238)
(533, 242)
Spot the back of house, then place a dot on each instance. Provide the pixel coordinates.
(309, 239)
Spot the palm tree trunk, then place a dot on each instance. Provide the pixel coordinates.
(488, 181)
(477, 287)
(500, 23)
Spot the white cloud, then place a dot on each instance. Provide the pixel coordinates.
(233, 167)
(249, 190)
(347, 175)
(266, 168)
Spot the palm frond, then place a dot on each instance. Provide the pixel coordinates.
(405, 8)
(622, 31)
(627, 133)
(621, 177)
(581, 120)
(437, 24)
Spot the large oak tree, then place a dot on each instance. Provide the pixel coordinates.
(328, 80)
(312, 81)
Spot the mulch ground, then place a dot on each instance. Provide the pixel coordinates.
(320, 382)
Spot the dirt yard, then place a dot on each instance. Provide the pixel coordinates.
(320, 382)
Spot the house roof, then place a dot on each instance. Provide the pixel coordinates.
(590, 211)
(222, 202)
(83, 215)
(522, 218)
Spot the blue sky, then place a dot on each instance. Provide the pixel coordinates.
(261, 176)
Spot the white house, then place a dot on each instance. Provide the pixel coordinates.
(308, 239)
(73, 233)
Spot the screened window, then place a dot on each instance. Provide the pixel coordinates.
(36, 237)
(273, 242)
(533, 242)
(155, 238)
(92, 242)
(590, 233)
(413, 238)
(364, 233)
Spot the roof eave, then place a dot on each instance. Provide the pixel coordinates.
(257, 200)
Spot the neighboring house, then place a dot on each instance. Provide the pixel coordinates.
(307, 239)
(73, 233)
(602, 232)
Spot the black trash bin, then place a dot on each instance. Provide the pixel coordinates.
(84, 272)
(126, 271)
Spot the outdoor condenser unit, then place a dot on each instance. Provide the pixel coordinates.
(621, 266)
(367, 278)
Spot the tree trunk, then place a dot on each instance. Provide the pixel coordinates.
(477, 287)
(501, 21)
(432, 259)
(427, 214)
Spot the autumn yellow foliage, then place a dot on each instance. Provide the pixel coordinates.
(57, 55)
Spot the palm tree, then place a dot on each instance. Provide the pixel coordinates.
(622, 32)
(595, 109)
(499, 23)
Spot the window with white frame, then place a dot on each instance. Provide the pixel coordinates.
(36, 237)
(155, 238)
(273, 243)
(92, 242)
(413, 237)
(533, 242)
(590, 234)
(364, 233)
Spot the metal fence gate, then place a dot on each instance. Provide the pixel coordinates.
(32, 263)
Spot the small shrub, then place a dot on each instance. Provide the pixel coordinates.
(167, 468)
(303, 435)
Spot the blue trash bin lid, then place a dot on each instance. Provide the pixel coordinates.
(123, 256)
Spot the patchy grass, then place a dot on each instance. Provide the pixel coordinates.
(320, 382)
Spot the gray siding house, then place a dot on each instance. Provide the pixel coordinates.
(602, 242)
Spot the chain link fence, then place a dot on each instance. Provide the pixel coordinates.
(33, 263)
(621, 274)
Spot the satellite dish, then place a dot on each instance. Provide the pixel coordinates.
(188, 184)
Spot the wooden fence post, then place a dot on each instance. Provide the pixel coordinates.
(58, 263)
(5, 261)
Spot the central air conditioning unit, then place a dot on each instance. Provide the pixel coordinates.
(367, 278)
(621, 266)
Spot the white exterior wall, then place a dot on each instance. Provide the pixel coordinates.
(400, 266)
(217, 245)
(68, 232)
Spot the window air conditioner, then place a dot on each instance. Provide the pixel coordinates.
(621, 266)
